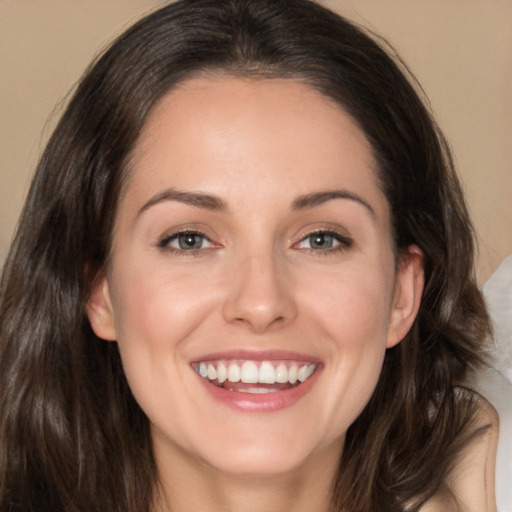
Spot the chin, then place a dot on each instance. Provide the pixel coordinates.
(261, 464)
(266, 454)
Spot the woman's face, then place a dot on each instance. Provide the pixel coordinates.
(253, 287)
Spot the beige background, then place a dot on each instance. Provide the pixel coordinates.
(460, 50)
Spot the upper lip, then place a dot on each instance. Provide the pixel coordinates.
(257, 355)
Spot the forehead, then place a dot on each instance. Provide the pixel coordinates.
(218, 131)
(223, 100)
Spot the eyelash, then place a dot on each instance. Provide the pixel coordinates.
(344, 242)
(165, 242)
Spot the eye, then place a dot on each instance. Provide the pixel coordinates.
(186, 241)
(324, 241)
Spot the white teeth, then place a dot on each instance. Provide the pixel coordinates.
(301, 374)
(203, 370)
(267, 373)
(282, 373)
(257, 390)
(233, 372)
(212, 372)
(305, 372)
(249, 373)
(222, 373)
(253, 372)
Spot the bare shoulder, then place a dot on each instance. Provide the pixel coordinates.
(470, 486)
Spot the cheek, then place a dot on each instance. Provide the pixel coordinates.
(351, 312)
(156, 313)
(353, 303)
(157, 308)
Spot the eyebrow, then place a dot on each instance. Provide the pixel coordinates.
(213, 203)
(197, 199)
(315, 199)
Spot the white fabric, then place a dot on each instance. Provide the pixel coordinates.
(495, 384)
(498, 296)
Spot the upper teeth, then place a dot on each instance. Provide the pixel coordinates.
(255, 372)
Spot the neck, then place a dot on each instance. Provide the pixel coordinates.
(196, 486)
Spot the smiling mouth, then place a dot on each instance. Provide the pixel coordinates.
(255, 376)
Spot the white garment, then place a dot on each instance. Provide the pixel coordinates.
(495, 384)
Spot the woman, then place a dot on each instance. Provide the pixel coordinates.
(243, 278)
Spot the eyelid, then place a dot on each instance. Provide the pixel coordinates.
(164, 241)
(344, 240)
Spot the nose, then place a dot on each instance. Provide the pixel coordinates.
(260, 295)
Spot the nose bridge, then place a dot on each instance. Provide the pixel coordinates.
(260, 295)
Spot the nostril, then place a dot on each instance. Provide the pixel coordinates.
(260, 323)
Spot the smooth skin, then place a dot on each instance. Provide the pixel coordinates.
(218, 246)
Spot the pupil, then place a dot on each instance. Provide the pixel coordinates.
(321, 241)
(190, 241)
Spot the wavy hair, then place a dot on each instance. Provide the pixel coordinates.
(72, 436)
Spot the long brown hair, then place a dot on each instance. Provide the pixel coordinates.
(72, 436)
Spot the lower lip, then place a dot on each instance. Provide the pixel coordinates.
(264, 402)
